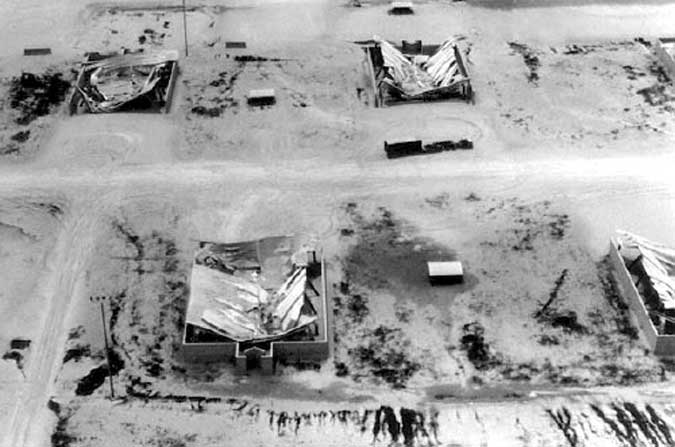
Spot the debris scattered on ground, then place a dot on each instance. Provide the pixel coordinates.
(152, 37)
(251, 58)
(656, 95)
(415, 147)
(530, 58)
(216, 96)
(477, 350)
(449, 145)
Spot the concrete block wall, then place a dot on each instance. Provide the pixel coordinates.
(207, 352)
(664, 57)
(662, 345)
(288, 351)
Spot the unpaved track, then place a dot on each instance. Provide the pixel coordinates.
(64, 269)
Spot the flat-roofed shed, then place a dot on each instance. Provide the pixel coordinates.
(449, 272)
(261, 97)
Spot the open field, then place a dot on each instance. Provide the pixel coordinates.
(573, 135)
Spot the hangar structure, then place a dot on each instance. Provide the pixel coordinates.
(257, 303)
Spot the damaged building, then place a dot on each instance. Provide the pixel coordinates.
(645, 274)
(257, 304)
(415, 72)
(127, 82)
(664, 48)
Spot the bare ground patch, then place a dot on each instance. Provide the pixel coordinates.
(535, 307)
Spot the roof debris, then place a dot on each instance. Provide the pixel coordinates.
(127, 82)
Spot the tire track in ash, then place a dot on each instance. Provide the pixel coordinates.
(80, 227)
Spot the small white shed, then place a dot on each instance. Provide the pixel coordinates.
(445, 272)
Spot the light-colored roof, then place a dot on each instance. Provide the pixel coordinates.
(401, 5)
(261, 93)
(450, 268)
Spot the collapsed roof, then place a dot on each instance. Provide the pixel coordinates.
(658, 262)
(442, 72)
(250, 291)
(127, 81)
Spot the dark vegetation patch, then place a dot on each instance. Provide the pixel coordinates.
(16, 356)
(520, 372)
(384, 354)
(565, 319)
(563, 420)
(380, 257)
(387, 425)
(383, 257)
(656, 95)
(61, 437)
(149, 338)
(131, 238)
(411, 426)
(633, 72)
(97, 376)
(530, 58)
(216, 96)
(548, 340)
(575, 49)
(34, 95)
(530, 223)
(626, 421)
(52, 209)
(21, 136)
(660, 94)
(152, 37)
(477, 350)
(354, 307)
(77, 352)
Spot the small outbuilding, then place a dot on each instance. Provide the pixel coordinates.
(445, 272)
(403, 148)
(261, 97)
(19, 343)
(235, 44)
(401, 8)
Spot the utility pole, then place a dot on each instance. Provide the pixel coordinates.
(100, 300)
(185, 28)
